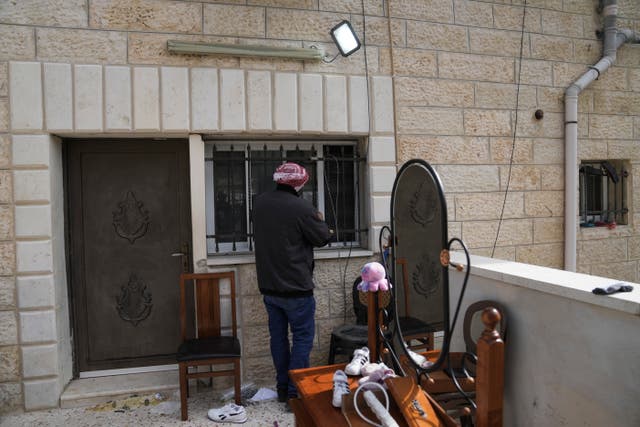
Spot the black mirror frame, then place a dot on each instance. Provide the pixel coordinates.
(445, 276)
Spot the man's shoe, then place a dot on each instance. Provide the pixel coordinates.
(340, 387)
(282, 394)
(360, 358)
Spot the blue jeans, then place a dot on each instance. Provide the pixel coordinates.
(299, 314)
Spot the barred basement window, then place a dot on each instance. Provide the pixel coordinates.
(237, 172)
(603, 188)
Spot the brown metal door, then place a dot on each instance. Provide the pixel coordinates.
(129, 211)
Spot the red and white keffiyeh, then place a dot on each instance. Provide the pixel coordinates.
(291, 174)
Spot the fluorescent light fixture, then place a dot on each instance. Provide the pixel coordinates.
(345, 38)
(311, 53)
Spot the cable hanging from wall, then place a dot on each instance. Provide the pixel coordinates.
(366, 154)
(515, 127)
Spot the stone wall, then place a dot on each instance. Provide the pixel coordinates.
(457, 69)
(66, 70)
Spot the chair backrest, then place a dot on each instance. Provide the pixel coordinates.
(473, 326)
(200, 304)
(419, 236)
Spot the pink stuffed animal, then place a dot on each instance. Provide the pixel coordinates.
(373, 278)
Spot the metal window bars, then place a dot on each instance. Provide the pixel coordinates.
(334, 187)
(603, 189)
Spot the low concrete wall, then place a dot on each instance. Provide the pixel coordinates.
(572, 357)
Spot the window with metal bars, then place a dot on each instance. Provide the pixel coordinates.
(238, 171)
(603, 198)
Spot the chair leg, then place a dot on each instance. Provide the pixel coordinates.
(184, 389)
(332, 351)
(236, 381)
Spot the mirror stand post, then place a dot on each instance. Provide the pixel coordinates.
(375, 300)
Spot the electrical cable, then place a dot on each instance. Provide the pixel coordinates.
(515, 129)
(455, 318)
(334, 210)
(366, 73)
(380, 411)
(393, 77)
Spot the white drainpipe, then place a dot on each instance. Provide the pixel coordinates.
(613, 39)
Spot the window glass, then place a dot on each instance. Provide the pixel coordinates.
(339, 185)
(230, 197)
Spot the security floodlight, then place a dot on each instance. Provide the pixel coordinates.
(345, 38)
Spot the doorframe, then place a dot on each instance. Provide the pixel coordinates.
(68, 241)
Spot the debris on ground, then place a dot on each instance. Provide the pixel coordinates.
(246, 391)
(132, 402)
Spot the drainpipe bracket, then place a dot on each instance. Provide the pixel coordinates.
(591, 67)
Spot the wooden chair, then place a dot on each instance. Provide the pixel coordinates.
(417, 334)
(472, 317)
(347, 338)
(201, 328)
(465, 364)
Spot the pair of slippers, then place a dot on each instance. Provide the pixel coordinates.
(229, 413)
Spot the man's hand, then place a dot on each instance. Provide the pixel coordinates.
(319, 215)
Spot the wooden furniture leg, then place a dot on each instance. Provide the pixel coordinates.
(184, 389)
(490, 372)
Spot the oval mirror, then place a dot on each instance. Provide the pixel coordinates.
(420, 282)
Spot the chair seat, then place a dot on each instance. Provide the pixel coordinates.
(412, 326)
(208, 348)
(351, 333)
(347, 338)
(354, 333)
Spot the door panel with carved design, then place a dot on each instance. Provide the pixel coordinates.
(128, 213)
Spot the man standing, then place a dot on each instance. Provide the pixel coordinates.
(286, 228)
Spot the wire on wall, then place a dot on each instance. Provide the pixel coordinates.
(393, 80)
(366, 154)
(515, 128)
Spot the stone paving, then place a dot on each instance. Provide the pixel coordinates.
(145, 411)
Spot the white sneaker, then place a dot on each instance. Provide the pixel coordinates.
(360, 358)
(376, 372)
(419, 359)
(229, 413)
(370, 368)
(340, 387)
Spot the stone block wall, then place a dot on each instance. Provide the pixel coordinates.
(480, 81)
(101, 68)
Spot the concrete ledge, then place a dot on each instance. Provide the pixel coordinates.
(91, 391)
(567, 350)
(567, 284)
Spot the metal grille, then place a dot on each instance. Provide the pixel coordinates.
(603, 200)
(241, 172)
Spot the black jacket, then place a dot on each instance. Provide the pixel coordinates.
(286, 228)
